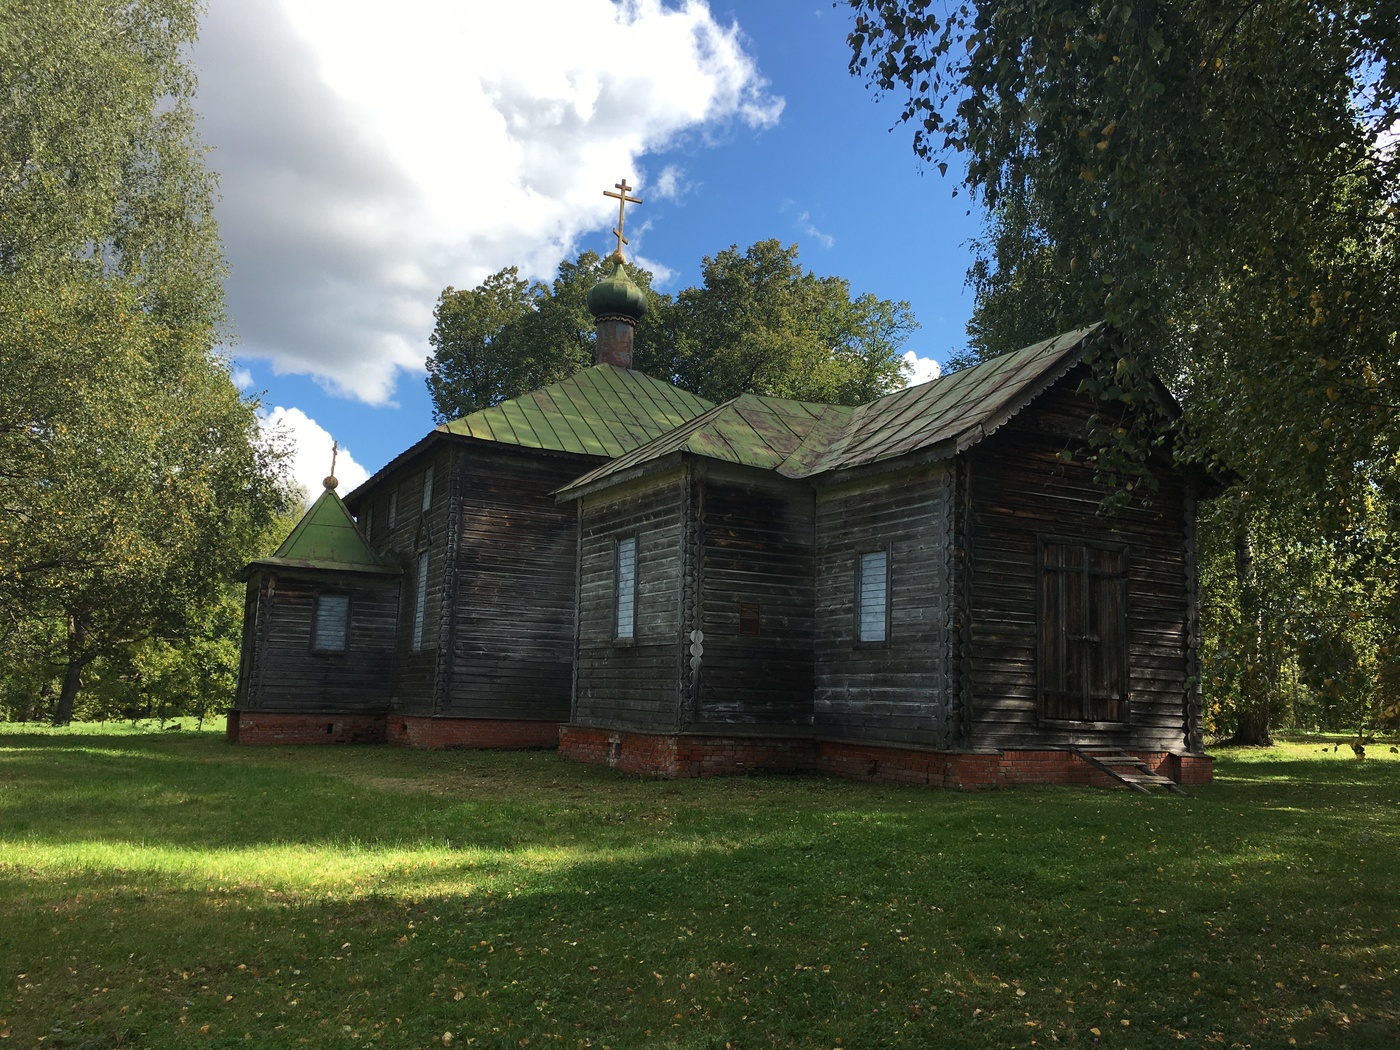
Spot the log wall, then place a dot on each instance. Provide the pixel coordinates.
(414, 532)
(512, 647)
(498, 620)
(284, 674)
(636, 683)
(898, 692)
(1020, 488)
(756, 592)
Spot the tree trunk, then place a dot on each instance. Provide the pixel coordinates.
(1252, 728)
(73, 676)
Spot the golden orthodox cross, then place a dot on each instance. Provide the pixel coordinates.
(622, 201)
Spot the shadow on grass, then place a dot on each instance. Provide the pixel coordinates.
(884, 932)
(341, 892)
(197, 792)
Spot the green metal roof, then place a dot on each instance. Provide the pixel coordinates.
(327, 537)
(750, 430)
(800, 439)
(955, 411)
(601, 411)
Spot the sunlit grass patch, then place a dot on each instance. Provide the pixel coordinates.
(169, 889)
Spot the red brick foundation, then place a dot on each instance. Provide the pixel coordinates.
(665, 755)
(494, 733)
(261, 727)
(1188, 769)
(264, 727)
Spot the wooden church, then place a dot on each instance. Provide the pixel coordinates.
(479, 556)
(919, 589)
(922, 589)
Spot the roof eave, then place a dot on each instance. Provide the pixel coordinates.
(921, 457)
(302, 565)
(359, 491)
(660, 465)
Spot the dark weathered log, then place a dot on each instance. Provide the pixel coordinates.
(909, 513)
(1030, 481)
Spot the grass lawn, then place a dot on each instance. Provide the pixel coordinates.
(168, 889)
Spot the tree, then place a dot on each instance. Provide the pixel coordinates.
(473, 363)
(133, 477)
(761, 324)
(1218, 180)
(506, 337)
(758, 323)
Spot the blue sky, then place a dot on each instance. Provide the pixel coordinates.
(364, 167)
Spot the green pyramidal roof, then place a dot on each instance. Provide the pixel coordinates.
(328, 538)
(600, 411)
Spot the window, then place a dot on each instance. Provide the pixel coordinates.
(420, 602)
(427, 490)
(367, 521)
(750, 619)
(330, 623)
(393, 509)
(873, 597)
(1083, 632)
(626, 604)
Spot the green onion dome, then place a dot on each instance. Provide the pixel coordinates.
(617, 295)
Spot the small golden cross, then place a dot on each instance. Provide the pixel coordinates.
(622, 201)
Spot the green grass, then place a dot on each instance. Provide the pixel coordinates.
(167, 889)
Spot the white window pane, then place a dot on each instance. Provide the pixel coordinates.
(420, 601)
(874, 585)
(427, 489)
(332, 622)
(626, 587)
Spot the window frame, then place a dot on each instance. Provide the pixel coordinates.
(630, 638)
(858, 605)
(420, 604)
(427, 502)
(393, 509)
(316, 648)
(1121, 667)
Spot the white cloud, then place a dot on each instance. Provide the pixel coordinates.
(805, 224)
(310, 453)
(920, 369)
(670, 184)
(369, 161)
(242, 378)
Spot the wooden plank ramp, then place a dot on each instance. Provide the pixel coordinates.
(1127, 769)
